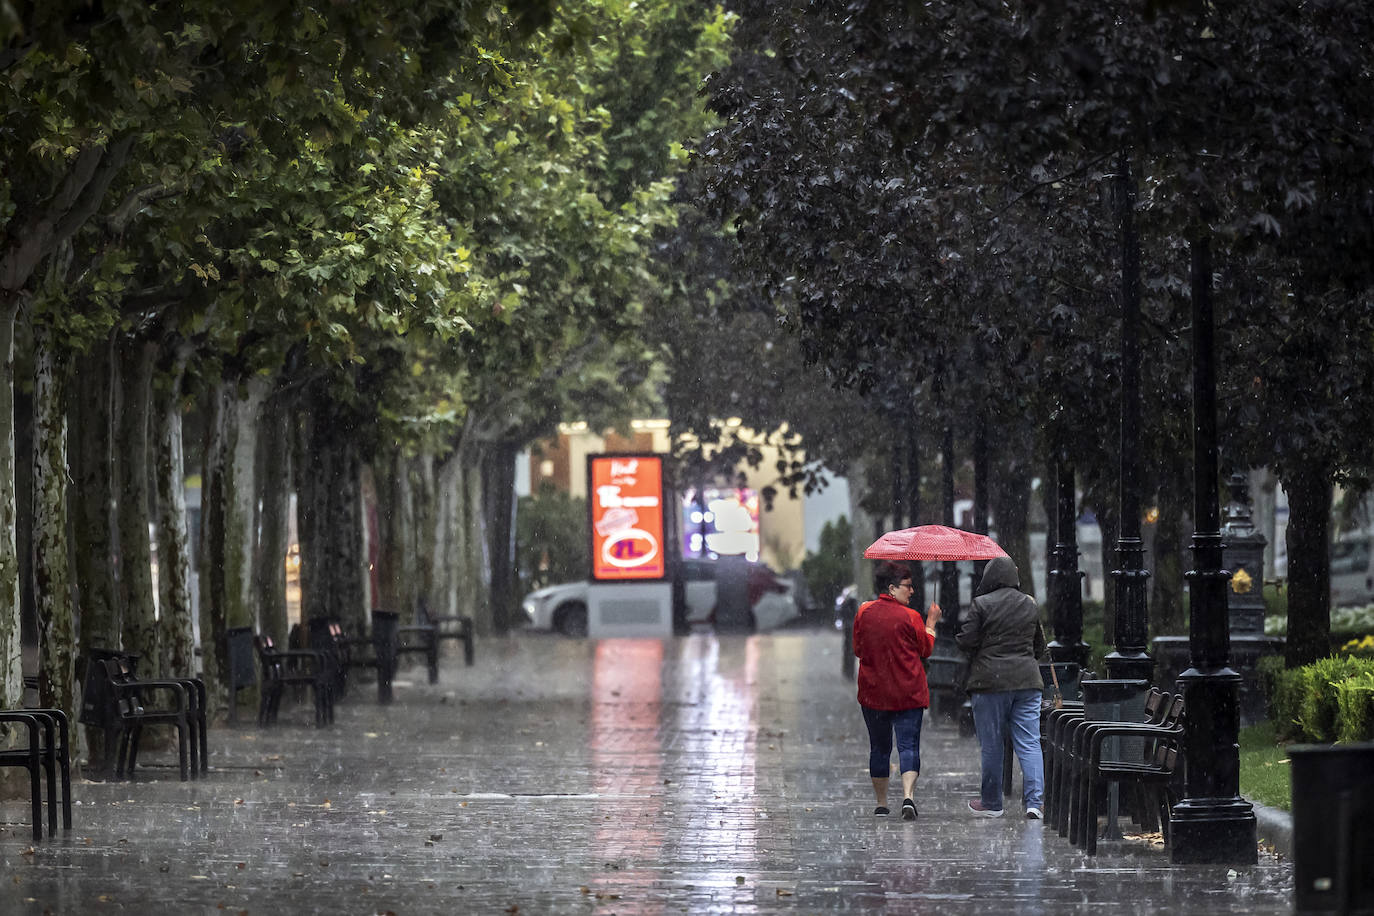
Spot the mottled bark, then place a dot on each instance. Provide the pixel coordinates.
(11, 651)
(227, 516)
(498, 492)
(443, 588)
(1009, 494)
(1309, 564)
(138, 607)
(463, 549)
(51, 568)
(426, 529)
(862, 528)
(1168, 613)
(176, 638)
(91, 461)
(333, 567)
(273, 478)
(391, 536)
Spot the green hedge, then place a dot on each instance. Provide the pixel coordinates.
(1329, 700)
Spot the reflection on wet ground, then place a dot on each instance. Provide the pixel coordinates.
(697, 774)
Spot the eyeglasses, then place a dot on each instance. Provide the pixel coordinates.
(906, 585)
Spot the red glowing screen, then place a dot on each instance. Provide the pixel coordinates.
(625, 502)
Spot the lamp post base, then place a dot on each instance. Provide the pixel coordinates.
(1214, 831)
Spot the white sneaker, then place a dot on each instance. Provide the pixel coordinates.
(1034, 814)
(976, 806)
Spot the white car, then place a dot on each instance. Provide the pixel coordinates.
(563, 607)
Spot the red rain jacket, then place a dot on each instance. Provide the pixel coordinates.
(890, 640)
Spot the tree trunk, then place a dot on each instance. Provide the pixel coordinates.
(273, 534)
(913, 502)
(1107, 524)
(1168, 614)
(396, 566)
(1049, 505)
(176, 636)
(426, 530)
(1309, 564)
(330, 511)
(469, 578)
(227, 517)
(498, 490)
(862, 530)
(51, 567)
(96, 554)
(11, 645)
(444, 589)
(138, 616)
(1009, 498)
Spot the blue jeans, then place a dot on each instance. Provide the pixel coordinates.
(995, 713)
(882, 724)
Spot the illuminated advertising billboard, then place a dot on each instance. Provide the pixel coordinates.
(625, 504)
(721, 521)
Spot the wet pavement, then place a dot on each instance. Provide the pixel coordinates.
(694, 775)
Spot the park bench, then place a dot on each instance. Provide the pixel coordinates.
(326, 635)
(1058, 738)
(390, 640)
(126, 704)
(449, 626)
(1142, 756)
(111, 701)
(282, 668)
(46, 751)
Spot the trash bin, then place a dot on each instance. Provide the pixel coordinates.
(1115, 700)
(1333, 827)
(386, 639)
(243, 671)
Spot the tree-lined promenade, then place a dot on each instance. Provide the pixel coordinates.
(365, 253)
(307, 248)
(992, 220)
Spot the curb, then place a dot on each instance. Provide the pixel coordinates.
(1275, 829)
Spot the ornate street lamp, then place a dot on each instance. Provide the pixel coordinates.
(1213, 823)
(1066, 581)
(1130, 661)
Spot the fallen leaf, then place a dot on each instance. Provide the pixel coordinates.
(739, 879)
(784, 893)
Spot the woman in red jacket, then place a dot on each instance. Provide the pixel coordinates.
(890, 641)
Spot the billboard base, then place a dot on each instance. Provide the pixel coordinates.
(634, 609)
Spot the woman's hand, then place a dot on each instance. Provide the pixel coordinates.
(933, 615)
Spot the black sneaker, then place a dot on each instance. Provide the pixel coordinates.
(908, 810)
(880, 811)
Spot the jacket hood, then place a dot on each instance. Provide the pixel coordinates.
(1000, 573)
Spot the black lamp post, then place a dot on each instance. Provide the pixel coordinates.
(1212, 824)
(1066, 581)
(1130, 661)
(946, 665)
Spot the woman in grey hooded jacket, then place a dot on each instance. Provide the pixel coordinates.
(1002, 636)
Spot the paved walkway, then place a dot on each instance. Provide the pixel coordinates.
(692, 775)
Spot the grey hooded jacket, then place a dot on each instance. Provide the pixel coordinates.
(1001, 633)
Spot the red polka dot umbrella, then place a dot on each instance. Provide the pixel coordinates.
(933, 542)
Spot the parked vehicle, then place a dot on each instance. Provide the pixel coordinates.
(563, 607)
(1352, 580)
